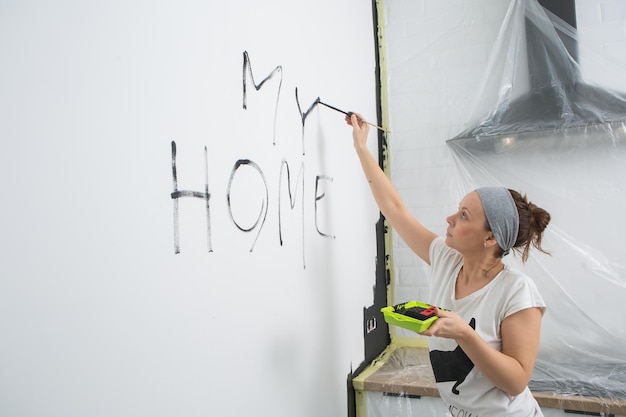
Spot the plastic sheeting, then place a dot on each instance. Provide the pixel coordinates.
(549, 126)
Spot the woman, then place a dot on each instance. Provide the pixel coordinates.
(484, 345)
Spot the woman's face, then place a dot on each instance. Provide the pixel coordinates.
(467, 227)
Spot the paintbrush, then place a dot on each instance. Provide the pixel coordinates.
(349, 114)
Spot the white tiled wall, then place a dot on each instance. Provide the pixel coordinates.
(603, 23)
(602, 29)
(436, 55)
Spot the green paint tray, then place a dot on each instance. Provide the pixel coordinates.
(413, 315)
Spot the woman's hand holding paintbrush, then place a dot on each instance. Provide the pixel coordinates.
(360, 129)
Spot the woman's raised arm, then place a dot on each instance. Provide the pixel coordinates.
(389, 202)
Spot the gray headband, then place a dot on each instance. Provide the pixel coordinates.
(501, 214)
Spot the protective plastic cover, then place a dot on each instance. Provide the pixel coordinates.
(552, 124)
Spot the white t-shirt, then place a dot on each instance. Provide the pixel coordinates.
(464, 389)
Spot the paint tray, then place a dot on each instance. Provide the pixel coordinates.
(413, 315)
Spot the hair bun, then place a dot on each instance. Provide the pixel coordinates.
(533, 220)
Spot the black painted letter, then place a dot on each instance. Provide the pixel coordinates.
(176, 194)
(262, 213)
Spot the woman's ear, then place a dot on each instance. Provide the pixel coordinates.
(490, 241)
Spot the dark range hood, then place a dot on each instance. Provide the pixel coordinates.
(557, 99)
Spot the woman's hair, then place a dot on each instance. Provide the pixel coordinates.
(532, 222)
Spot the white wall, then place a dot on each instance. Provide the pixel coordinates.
(99, 315)
(601, 23)
(601, 27)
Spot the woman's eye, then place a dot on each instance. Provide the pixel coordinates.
(463, 215)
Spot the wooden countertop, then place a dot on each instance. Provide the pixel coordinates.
(405, 370)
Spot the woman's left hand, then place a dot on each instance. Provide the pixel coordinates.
(448, 325)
